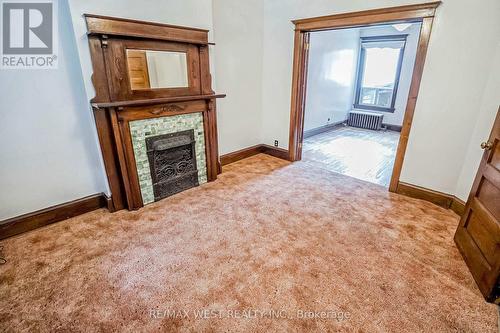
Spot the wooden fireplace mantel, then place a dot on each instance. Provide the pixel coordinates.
(116, 103)
(117, 26)
(156, 101)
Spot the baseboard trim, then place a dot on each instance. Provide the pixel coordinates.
(444, 200)
(241, 154)
(254, 150)
(109, 203)
(394, 128)
(276, 152)
(43, 217)
(322, 129)
(458, 206)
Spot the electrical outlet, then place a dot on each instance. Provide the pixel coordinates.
(276, 143)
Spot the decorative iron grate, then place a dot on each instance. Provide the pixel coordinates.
(172, 162)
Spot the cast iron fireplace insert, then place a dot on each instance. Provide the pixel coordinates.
(172, 162)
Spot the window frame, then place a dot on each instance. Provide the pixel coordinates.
(361, 67)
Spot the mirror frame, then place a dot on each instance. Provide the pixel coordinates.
(120, 82)
(147, 54)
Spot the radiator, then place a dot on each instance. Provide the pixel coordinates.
(366, 120)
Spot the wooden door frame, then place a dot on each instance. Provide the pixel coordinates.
(423, 13)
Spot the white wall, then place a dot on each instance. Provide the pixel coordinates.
(238, 29)
(460, 58)
(486, 113)
(464, 38)
(331, 77)
(409, 55)
(48, 153)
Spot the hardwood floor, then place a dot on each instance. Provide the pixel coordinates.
(359, 153)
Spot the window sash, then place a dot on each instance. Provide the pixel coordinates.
(396, 44)
(394, 41)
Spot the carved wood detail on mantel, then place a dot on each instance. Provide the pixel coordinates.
(167, 108)
(116, 104)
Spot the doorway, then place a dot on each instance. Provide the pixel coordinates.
(422, 14)
(358, 81)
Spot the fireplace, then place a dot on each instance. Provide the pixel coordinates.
(154, 108)
(169, 153)
(172, 163)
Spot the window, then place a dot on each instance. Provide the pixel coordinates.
(380, 61)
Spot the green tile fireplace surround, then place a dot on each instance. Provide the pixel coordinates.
(142, 129)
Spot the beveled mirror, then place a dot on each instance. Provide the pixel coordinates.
(150, 69)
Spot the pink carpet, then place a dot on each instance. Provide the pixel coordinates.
(254, 251)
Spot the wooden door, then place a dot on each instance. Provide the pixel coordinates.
(478, 235)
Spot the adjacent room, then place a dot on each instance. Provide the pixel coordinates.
(249, 166)
(358, 80)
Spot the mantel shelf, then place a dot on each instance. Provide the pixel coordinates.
(142, 102)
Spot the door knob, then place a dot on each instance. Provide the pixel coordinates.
(486, 145)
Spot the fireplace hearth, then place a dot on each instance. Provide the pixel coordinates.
(172, 162)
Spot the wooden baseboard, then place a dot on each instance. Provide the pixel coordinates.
(458, 206)
(40, 218)
(241, 154)
(322, 129)
(276, 152)
(109, 203)
(439, 198)
(254, 150)
(444, 200)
